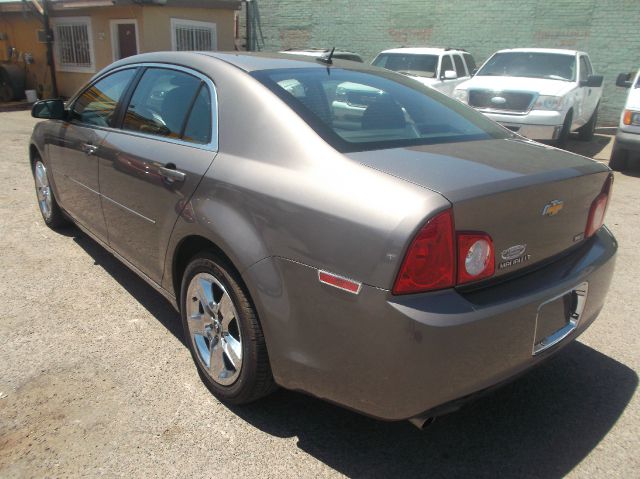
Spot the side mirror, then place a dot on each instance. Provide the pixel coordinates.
(49, 110)
(624, 80)
(450, 75)
(593, 81)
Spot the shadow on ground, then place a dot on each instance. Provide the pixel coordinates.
(590, 149)
(541, 425)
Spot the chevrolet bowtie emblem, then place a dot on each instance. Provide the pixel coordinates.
(552, 208)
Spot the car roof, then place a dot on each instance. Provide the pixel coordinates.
(316, 52)
(424, 50)
(247, 61)
(559, 51)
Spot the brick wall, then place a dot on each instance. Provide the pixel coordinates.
(607, 29)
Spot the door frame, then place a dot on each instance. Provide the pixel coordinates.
(113, 27)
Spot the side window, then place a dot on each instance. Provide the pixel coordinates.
(198, 128)
(471, 63)
(160, 102)
(585, 68)
(97, 104)
(445, 65)
(457, 59)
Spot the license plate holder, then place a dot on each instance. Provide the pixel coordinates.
(558, 317)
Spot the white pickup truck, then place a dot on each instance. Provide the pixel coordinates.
(628, 135)
(540, 93)
(442, 69)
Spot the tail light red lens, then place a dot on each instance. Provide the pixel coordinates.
(475, 257)
(430, 260)
(598, 209)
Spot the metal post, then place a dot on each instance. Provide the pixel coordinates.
(49, 35)
(248, 25)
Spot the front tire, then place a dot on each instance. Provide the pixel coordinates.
(561, 141)
(223, 333)
(52, 214)
(588, 129)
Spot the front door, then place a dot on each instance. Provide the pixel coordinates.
(151, 167)
(126, 39)
(75, 152)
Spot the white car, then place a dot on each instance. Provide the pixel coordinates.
(540, 93)
(628, 136)
(439, 68)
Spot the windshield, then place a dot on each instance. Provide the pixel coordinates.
(553, 66)
(357, 111)
(409, 64)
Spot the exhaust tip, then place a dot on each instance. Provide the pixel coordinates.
(422, 422)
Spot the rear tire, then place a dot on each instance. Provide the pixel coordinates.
(561, 141)
(619, 159)
(223, 333)
(52, 214)
(587, 131)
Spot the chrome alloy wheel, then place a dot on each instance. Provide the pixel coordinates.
(214, 329)
(43, 190)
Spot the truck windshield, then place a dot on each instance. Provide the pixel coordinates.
(366, 110)
(553, 66)
(409, 64)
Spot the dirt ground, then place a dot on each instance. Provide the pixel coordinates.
(95, 378)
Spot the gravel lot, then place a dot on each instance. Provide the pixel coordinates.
(95, 378)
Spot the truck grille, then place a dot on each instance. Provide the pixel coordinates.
(501, 100)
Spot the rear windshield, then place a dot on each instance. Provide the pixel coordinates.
(409, 64)
(552, 66)
(357, 111)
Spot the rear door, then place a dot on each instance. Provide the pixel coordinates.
(75, 151)
(167, 141)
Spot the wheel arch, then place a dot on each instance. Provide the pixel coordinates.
(186, 249)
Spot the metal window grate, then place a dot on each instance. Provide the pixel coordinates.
(190, 38)
(73, 45)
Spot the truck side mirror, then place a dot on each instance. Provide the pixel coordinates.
(450, 75)
(624, 80)
(593, 81)
(49, 110)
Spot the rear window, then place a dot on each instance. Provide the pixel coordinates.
(357, 111)
(409, 64)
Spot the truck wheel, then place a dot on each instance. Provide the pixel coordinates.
(618, 160)
(561, 141)
(588, 129)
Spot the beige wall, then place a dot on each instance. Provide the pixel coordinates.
(157, 32)
(21, 34)
(154, 34)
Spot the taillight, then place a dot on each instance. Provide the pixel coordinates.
(598, 209)
(430, 260)
(475, 257)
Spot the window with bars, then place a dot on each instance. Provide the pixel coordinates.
(190, 35)
(73, 44)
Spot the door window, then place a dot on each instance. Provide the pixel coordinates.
(585, 68)
(198, 128)
(471, 63)
(161, 102)
(97, 104)
(445, 65)
(457, 59)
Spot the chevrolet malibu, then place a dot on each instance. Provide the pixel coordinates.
(395, 262)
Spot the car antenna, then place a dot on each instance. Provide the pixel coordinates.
(327, 57)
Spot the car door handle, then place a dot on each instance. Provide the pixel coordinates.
(89, 149)
(169, 172)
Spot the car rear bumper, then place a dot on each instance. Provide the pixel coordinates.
(398, 357)
(537, 124)
(628, 141)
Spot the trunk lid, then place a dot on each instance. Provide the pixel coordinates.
(532, 199)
